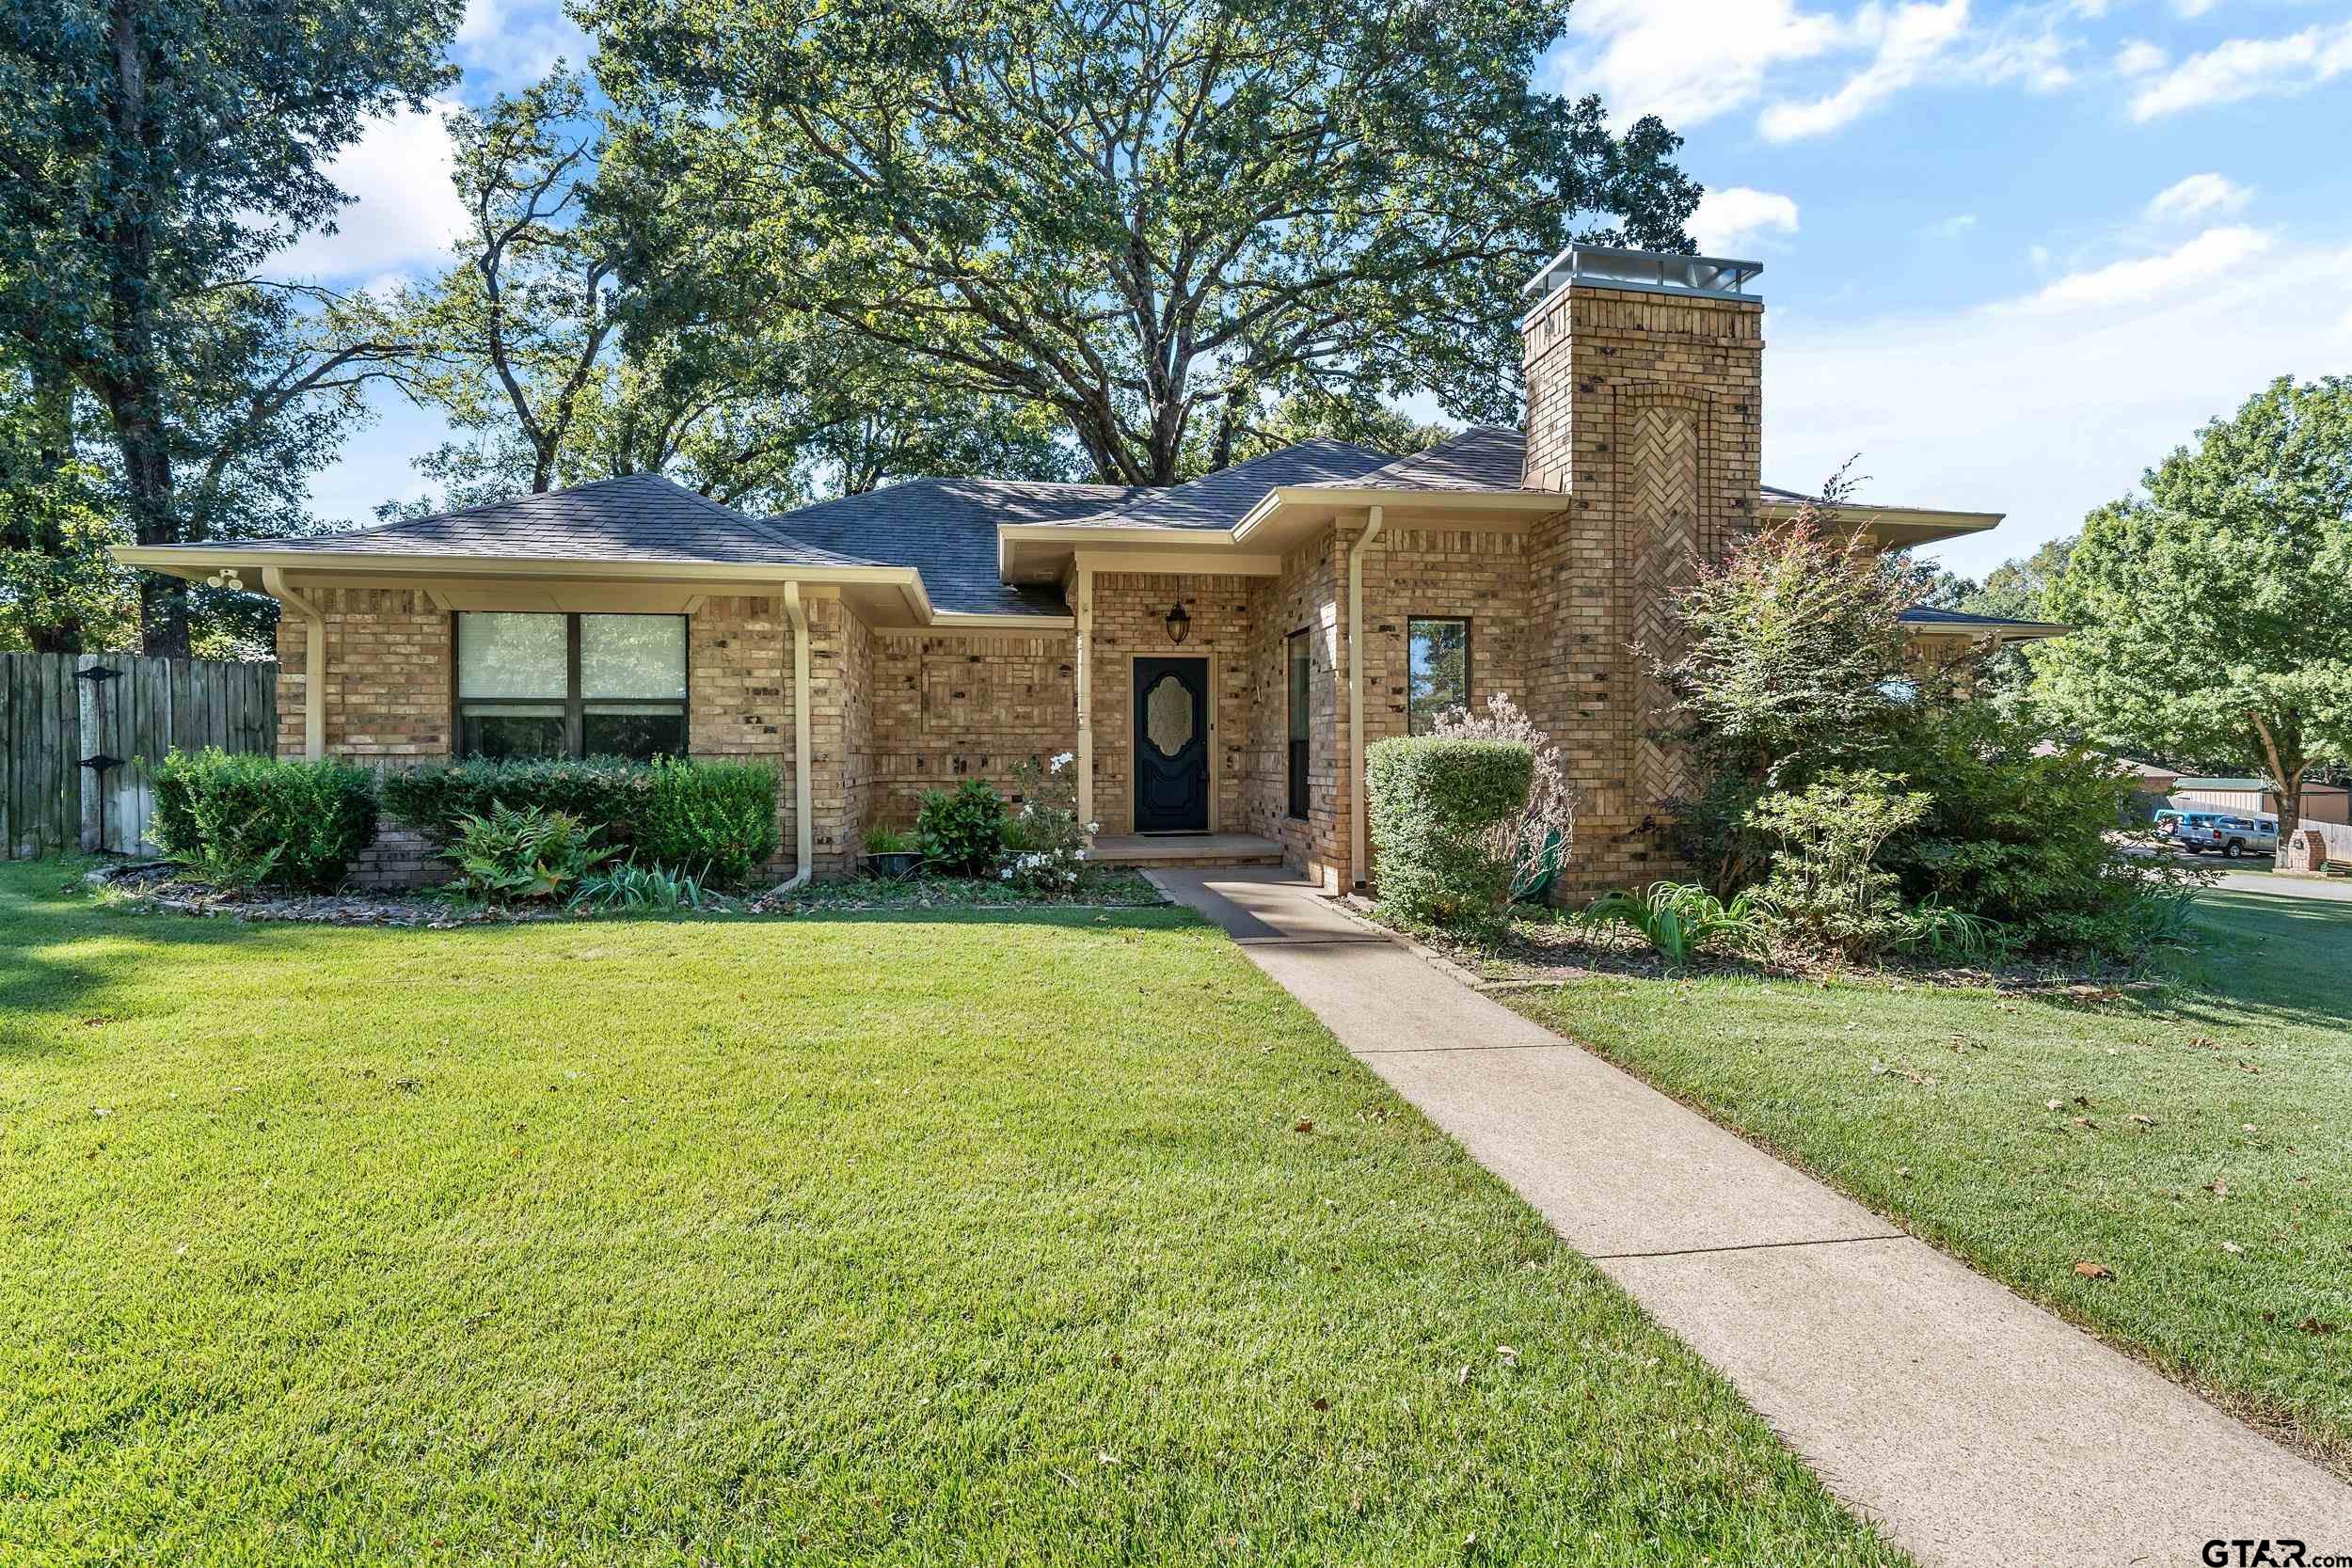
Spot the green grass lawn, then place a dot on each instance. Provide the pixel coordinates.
(2226, 1216)
(1044, 1238)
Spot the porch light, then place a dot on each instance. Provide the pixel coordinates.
(1179, 624)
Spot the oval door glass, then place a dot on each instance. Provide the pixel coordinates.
(1168, 716)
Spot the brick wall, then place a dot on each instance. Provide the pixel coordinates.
(948, 707)
(739, 665)
(1309, 595)
(388, 675)
(1645, 411)
(1131, 621)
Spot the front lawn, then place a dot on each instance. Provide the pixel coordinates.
(2195, 1140)
(909, 1237)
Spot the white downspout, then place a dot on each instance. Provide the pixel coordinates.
(1358, 860)
(1085, 694)
(313, 661)
(804, 807)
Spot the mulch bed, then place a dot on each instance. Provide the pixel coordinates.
(157, 888)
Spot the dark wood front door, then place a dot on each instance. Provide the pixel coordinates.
(1171, 745)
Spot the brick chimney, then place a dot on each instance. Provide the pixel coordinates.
(1644, 409)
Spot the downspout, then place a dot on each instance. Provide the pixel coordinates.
(1358, 860)
(313, 661)
(1086, 696)
(803, 805)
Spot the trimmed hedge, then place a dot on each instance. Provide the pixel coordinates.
(249, 817)
(1435, 807)
(713, 820)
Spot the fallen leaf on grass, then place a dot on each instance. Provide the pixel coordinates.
(2094, 1271)
(2315, 1325)
(1510, 1356)
(1303, 1125)
(2231, 1246)
(2218, 1187)
(2086, 1121)
(2144, 1122)
(2054, 1105)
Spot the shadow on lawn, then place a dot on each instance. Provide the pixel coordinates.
(2263, 960)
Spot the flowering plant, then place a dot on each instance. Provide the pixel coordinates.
(1045, 843)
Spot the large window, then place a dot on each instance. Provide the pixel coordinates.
(1438, 671)
(1301, 669)
(571, 686)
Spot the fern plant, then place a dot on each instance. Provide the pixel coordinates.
(1679, 918)
(523, 853)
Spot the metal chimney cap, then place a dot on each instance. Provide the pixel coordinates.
(1652, 271)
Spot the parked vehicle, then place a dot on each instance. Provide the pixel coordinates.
(2202, 832)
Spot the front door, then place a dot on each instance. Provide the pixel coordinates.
(1171, 745)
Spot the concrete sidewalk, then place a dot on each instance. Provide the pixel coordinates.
(1976, 1429)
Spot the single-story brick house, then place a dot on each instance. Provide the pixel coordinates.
(1216, 655)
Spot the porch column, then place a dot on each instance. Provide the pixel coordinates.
(1086, 693)
(313, 663)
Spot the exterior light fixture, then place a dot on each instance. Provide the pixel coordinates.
(1179, 624)
(225, 578)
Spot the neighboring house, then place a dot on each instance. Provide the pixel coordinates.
(2322, 802)
(1217, 655)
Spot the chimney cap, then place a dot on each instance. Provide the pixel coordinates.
(1654, 271)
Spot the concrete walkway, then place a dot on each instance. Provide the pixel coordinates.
(1976, 1429)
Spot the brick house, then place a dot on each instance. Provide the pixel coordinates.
(1216, 655)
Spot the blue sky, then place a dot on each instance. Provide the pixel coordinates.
(2012, 254)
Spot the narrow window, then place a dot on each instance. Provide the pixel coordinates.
(1300, 692)
(569, 686)
(1437, 672)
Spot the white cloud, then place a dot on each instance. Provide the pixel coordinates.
(2193, 9)
(2249, 68)
(1952, 228)
(2197, 195)
(506, 44)
(2040, 257)
(403, 212)
(1732, 218)
(2139, 57)
(2039, 414)
(1907, 39)
(2210, 255)
(1693, 61)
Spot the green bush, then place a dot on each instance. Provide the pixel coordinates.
(523, 852)
(716, 819)
(1827, 892)
(1678, 918)
(1435, 807)
(236, 820)
(435, 799)
(963, 828)
(2015, 837)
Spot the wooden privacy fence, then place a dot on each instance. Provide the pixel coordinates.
(75, 745)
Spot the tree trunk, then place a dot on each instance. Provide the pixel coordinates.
(132, 381)
(2287, 769)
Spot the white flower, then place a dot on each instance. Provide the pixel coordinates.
(1006, 874)
(1063, 760)
(1082, 854)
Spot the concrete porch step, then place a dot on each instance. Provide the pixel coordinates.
(1185, 849)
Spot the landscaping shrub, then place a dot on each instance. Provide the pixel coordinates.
(237, 820)
(523, 852)
(1826, 891)
(613, 793)
(2021, 839)
(1045, 844)
(1436, 804)
(1540, 839)
(963, 828)
(1679, 918)
(630, 886)
(716, 819)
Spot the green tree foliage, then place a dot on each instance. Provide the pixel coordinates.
(564, 350)
(2214, 611)
(152, 153)
(1145, 217)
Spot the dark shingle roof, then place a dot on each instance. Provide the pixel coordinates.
(1483, 457)
(1920, 614)
(640, 518)
(1223, 498)
(947, 528)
